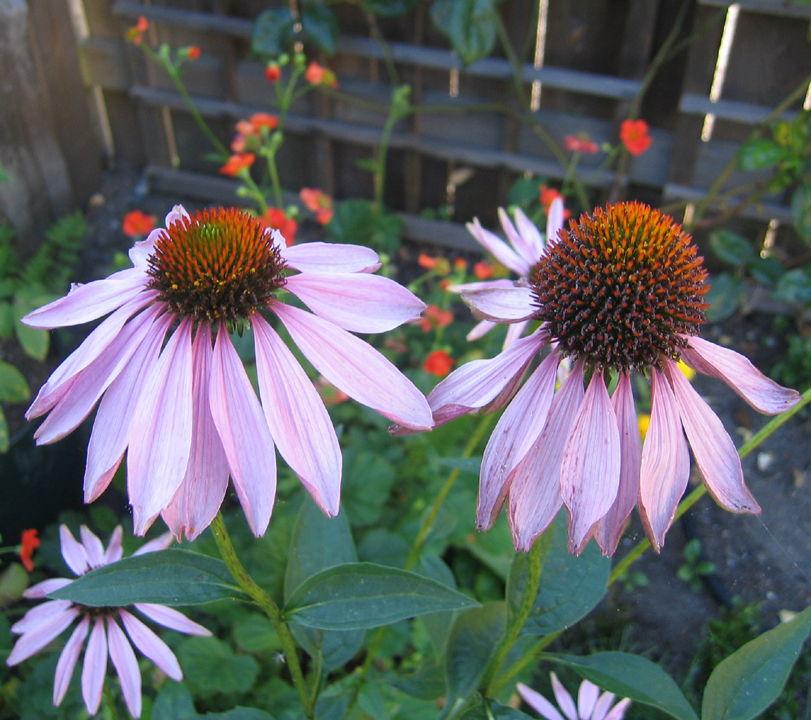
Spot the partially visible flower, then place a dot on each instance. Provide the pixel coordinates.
(137, 223)
(434, 317)
(459, 264)
(44, 623)
(192, 52)
(273, 72)
(427, 261)
(276, 219)
(28, 543)
(319, 202)
(591, 705)
(319, 75)
(634, 135)
(483, 270)
(135, 33)
(438, 363)
(172, 392)
(264, 120)
(548, 195)
(580, 144)
(237, 163)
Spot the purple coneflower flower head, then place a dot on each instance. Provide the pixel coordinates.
(175, 396)
(620, 292)
(526, 245)
(44, 623)
(591, 705)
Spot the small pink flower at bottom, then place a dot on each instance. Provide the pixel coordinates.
(44, 623)
(591, 705)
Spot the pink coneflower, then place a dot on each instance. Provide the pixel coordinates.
(185, 412)
(525, 249)
(44, 623)
(591, 705)
(620, 291)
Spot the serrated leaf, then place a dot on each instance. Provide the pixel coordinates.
(13, 386)
(470, 25)
(174, 702)
(321, 26)
(273, 32)
(724, 296)
(760, 154)
(359, 596)
(34, 341)
(211, 666)
(751, 679)
(731, 248)
(794, 286)
(801, 211)
(167, 577)
(631, 676)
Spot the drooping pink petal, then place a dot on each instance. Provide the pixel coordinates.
(564, 700)
(88, 302)
(538, 703)
(613, 522)
(162, 542)
(478, 383)
(498, 248)
(42, 589)
(111, 429)
(160, 438)
(514, 331)
(481, 285)
(744, 378)
(587, 699)
(535, 491)
(40, 615)
(244, 434)
(151, 645)
(298, 420)
(603, 705)
(665, 463)
(202, 490)
(356, 368)
(715, 453)
(68, 659)
(532, 241)
(358, 302)
(114, 550)
(330, 257)
(480, 330)
(172, 619)
(499, 305)
(38, 637)
(94, 667)
(72, 551)
(93, 547)
(618, 712)
(516, 431)
(126, 667)
(554, 219)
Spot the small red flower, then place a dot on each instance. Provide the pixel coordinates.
(580, 144)
(634, 135)
(438, 363)
(318, 75)
(460, 264)
(28, 544)
(263, 120)
(237, 163)
(273, 72)
(427, 261)
(548, 195)
(137, 223)
(278, 220)
(135, 33)
(193, 52)
(319, 202)
(483, 270)
(434, 317)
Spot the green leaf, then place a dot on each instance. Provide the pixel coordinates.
(167, 577)
(487, 709)
(525, 191)
(4, 176)
(321, 26)
(631, 676)
(759, 154)
(766, 270)
(7, 318)
(795, 286)
(751, 679)
(731, 248)
(724, 296)
(239, 713)
(570, 586)
(34, 341)
(352, 222)
(256, 634)
(13, 386)
(210, 666)
(174, 702)
(387, 233)
(389, 8)
(472, 641)
(361, 596)
(368, 478)
(427, 683)
(801, 211)
(3, 432)
(273, 32)
(470, 25)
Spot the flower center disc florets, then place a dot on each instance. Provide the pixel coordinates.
(620, 288)
(217, 264)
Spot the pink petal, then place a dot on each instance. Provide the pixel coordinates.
(478, 383)
(619, 710)
(40, 615)
(563, 698)
(715, 453)
(514, 331)
(744, 378)
(330, 257)
(126, 666)
(244, 434)
(613, 522)
(297, 418)
(499, 305)
(356, 368)
(516, 431)
(498, 248)
(532, 241)
(535, 492)
(37, 638)
(603, 705)
(73, 551)
(162, 542)
(480, 285)
(587, 699)
(357, 302)
(68, 659)
(114, 550)
(151, 645)
(665, 463)
(590, 470)
(172, 619)
(160, 438)
(554, 219)
(111, 428)
(206, 479)
(42, 589)
(93, 546)
(538, 703)
(88, 302)
(95, 667)
(480, 330)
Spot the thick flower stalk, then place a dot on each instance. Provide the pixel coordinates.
(525, 248)
(620, 292)
(173, 392)
(591, 704)
(44, 623)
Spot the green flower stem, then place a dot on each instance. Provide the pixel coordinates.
(109, 699)
(261, 598)
(767, 430)
(398, 108)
